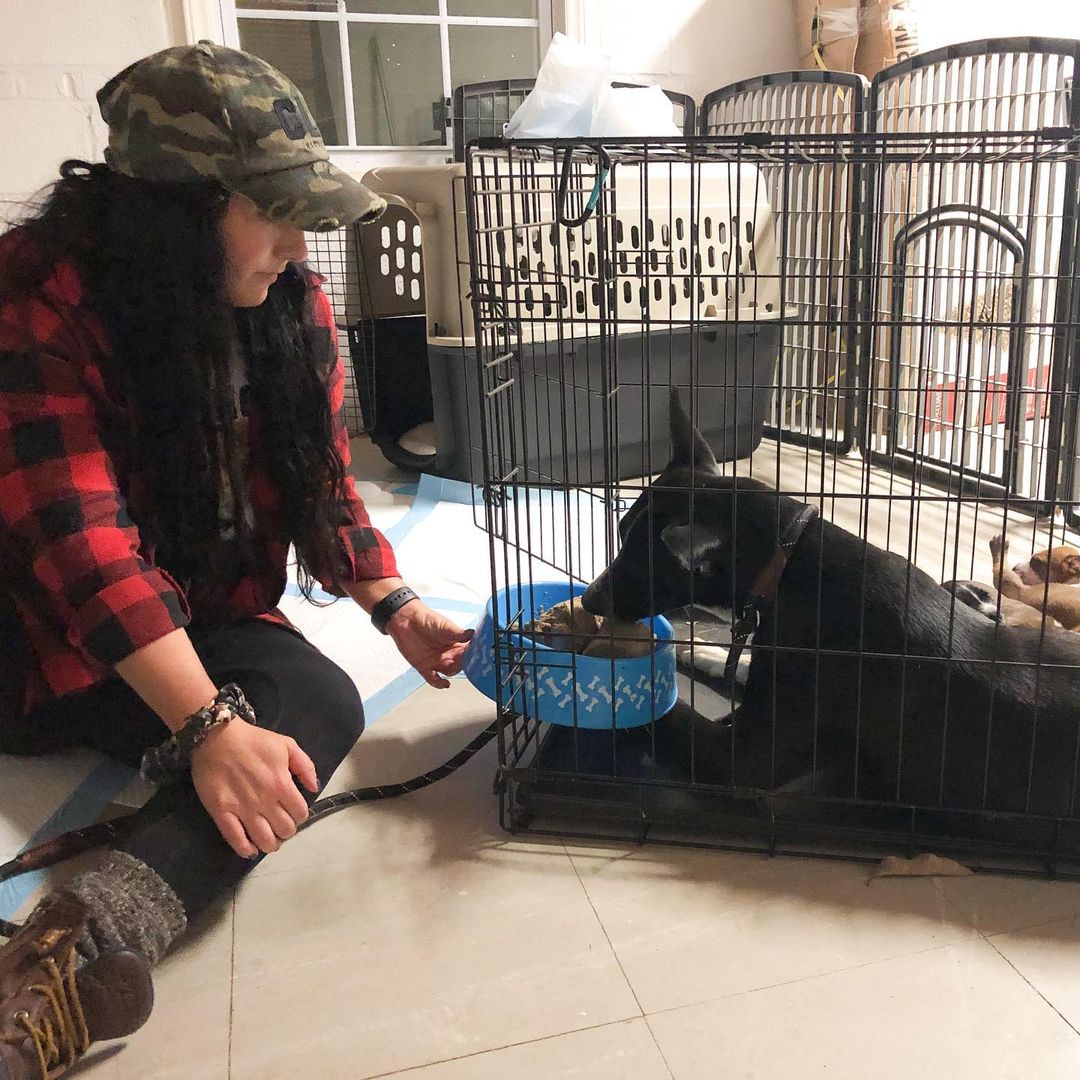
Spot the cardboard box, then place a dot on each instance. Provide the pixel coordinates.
(828, 33)
(887, 35)
(855, 35)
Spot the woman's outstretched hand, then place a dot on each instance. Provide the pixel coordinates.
(432, 643)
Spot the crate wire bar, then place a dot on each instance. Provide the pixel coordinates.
(605, 273)
(335, 256)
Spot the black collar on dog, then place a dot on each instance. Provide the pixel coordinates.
(764, 589)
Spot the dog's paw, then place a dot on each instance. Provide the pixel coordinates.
(998, 545)
(708, 659)
(711, 661)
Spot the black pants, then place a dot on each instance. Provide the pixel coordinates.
(294, 689)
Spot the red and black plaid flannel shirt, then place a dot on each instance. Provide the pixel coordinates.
(84, 588)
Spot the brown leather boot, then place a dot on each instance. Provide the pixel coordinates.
(49, 1012)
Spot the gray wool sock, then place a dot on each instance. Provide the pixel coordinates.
(130, 907)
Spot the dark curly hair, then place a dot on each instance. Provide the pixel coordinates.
(151, 260)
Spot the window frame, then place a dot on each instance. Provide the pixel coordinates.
(231, 16)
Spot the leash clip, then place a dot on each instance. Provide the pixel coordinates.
(749, 618)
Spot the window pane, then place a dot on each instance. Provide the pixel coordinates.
(480, 53)
(397, 83)
(309, 53)
(393, 7)
(498, 9)
(289, 5)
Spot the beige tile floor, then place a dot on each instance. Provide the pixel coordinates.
(416, 939)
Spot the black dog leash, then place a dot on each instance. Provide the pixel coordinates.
(78, 841)
(763, 591)
(69, 844)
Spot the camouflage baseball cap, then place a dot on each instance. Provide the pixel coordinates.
(202, 112)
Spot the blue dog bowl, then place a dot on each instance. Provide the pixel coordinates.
(562, 687)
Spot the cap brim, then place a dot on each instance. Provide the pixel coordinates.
(315, 197)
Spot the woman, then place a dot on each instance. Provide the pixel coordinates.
(170, 424)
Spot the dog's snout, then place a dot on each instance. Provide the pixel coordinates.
(1027, 574)
(596, 599)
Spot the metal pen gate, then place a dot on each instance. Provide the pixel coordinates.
(818, 225)
(968, 271)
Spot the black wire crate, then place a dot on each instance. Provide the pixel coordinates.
(841, 627)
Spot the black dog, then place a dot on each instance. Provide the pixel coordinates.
(860, 660)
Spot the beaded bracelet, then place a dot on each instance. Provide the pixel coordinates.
(173, 757)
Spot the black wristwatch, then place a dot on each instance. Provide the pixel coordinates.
(384, 610)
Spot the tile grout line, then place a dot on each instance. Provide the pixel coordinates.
(659, 1048)
(508, 1046)
(615, 954)
(232, 982)
(988, 938)
(1037, 991)
(1018, 929)
(603, 928)
(815, 975)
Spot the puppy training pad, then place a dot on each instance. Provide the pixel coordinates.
(442, 554)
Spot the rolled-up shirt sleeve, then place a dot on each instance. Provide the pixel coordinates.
(71, 550)
(364, 553)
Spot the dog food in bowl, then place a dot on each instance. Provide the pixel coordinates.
(568, 684)
(568, 627)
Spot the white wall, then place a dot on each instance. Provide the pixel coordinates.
(54, 55)
(963, 20)
(693, 46)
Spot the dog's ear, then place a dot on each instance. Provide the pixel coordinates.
(1070, 567)
(692, 545)
(688, 447)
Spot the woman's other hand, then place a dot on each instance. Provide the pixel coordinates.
(244, 776)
